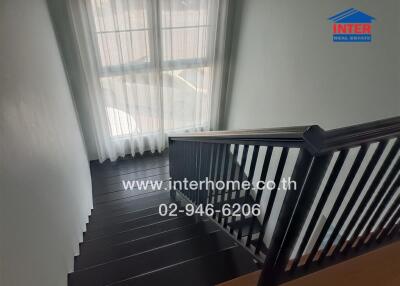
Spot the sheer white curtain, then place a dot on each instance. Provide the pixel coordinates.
(152, 67)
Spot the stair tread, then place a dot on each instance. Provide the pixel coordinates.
(121, 195)
(91, 258)
(151, 200)
(127, 165)
(130, 197)
(204, 271)
(137, 233)
(124, 226)
(104, 221)
(125, 211)
(100, 189)
(146, 262)
(134, 175)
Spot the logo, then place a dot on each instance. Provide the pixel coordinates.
(351, 25)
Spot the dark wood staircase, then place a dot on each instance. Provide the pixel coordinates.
(348, 187)
(127, 242)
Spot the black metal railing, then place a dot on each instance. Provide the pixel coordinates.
(347, 199)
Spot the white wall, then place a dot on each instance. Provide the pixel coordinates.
(45, 188)
(287, 71)
(59, 12)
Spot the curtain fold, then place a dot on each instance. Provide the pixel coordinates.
(151, 68)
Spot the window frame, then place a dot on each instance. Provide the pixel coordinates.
(154, 34)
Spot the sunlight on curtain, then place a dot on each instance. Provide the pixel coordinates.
(152, 68)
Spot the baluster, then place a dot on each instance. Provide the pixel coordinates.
(232, 177)
(247, 192)
(308, 173)
(339, 199)
(243, 161)
(263, 177)
(391, 217)
(212, 170)
(271, 200)
(320, 205)
(225, 170)
(218, 175)
(353, 199)
(198, 151)
(205, 161)
(371, 190)
(374, 206)
(392, 190)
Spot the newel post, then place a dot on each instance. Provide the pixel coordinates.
(308, 172)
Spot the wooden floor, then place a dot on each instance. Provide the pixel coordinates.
(107, 176)
(250, 279)
(380, 267)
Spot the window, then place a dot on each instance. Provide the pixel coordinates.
(147, 48)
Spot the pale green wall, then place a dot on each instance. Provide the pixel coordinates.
(286, 70)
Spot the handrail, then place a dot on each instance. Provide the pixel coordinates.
(282, 132)
(308, 137)
(368, 176)
(318, 140)
(347, 137)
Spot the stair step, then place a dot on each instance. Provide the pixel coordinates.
(120, 168)
(129, 201)
(134, 175)
(130, 206)
(103, 189)
(244, 224)
(135, 195)
(125, 166)
(146, 262)
(137, 233)
(105, 221)
(91, 258)
(115, 196)
(120, 195)
(204, 271)
(124, 226)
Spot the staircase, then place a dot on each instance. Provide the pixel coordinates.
(346, 204)
(127, 242)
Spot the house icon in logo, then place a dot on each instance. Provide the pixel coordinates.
(351, 25)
